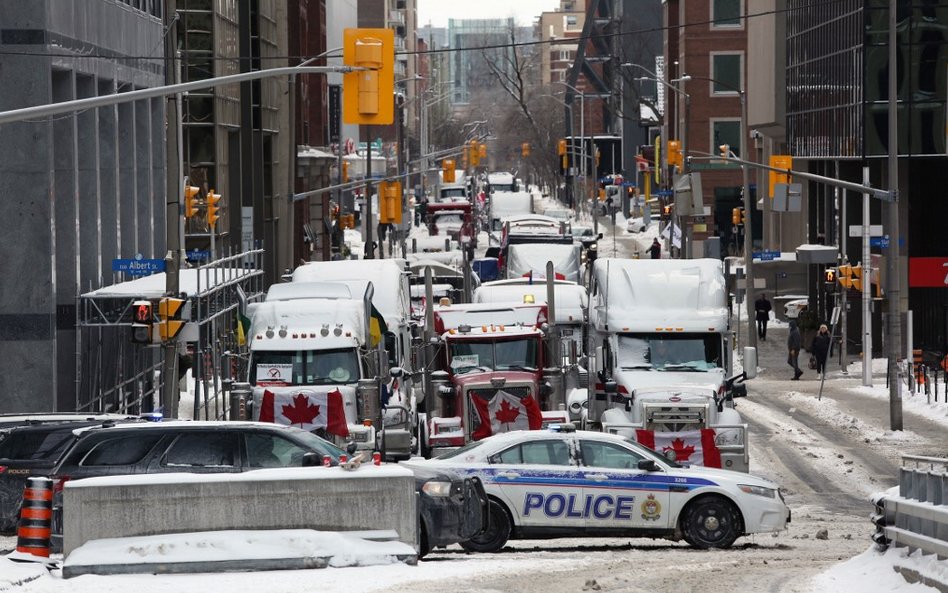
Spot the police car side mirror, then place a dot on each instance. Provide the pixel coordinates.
(648, 465)
(311, 459)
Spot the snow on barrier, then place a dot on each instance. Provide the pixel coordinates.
(918, 517)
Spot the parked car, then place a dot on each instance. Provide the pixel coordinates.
(792, 309)
(561, 483)
(31, 451)
(635, 225)
(451, 508)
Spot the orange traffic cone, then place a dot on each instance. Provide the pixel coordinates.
(36, 518)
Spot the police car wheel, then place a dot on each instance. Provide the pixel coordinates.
(496, 534)
(711, 522)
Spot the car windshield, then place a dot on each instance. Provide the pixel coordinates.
(314, 442)
(305, 367)
(670, 352)
(460, 450)
(473, 355)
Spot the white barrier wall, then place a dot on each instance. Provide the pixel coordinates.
(322, 498)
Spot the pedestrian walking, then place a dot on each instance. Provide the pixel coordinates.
(763, 308)
(794, 343)
(655, 250)
(820, 349)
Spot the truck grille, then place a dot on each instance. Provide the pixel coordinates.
(675, 419)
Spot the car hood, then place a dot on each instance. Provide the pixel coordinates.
(425, 472)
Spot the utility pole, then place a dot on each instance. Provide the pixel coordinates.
(893, 281)
(367, 211)
(173, 210)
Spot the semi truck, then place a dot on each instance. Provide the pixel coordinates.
(661, 369)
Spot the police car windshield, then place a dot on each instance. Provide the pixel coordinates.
(460, 450)
(670, 352)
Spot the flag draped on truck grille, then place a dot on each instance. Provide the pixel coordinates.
(694, 447)
(307, 409)
(505, 412)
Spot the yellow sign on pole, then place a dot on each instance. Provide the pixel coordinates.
(779, 161)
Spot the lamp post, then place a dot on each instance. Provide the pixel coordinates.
(582, 140)
(749, 295)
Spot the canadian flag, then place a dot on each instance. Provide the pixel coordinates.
(306, 409)
(641, 164)
(696, 447)
(505, 412)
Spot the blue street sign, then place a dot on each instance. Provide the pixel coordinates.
(766, 255)
(880, 242)
(199, 254)
(663, 193)
(138, 266)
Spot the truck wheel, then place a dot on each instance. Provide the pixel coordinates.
(711, 522)
(497, 533)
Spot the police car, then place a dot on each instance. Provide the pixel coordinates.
(561, 482)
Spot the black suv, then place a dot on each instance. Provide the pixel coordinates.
(451, 509)
(31, 450)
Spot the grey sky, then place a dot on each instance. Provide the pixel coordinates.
(437, 12)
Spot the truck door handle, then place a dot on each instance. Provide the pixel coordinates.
(509, 475)
(597, 477)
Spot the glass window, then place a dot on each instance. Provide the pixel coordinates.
(726, 72)
(726, 13)
(467, 356)
(272, 450)
(203, 449)
(123, 450)
(678, 352)
(35, 444)
(726, 132)
(553, 452)
(609, 455)
(309, 367)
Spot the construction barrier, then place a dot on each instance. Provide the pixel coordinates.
(36, 516)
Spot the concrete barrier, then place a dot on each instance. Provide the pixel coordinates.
(322, 498)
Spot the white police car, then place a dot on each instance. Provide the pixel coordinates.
(555, 483)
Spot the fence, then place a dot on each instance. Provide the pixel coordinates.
(918, 517)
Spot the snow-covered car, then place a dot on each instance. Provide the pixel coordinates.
(792, 309)
(635, 225)
(563, 483)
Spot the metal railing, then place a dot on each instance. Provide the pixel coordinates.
(918, 517)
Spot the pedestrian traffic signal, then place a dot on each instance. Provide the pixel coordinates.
(142, 320)
(829, 276)
(447, 170)
(390, 202)
(675, 156)
(170, 323)
(368, 94)
(666, 212)
(190, 200)
(213, 208)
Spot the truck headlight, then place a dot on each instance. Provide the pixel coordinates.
(437, 488)
(758, 490)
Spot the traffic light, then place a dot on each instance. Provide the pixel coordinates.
(844, 274)
(190, 200)
(475, 153)
(142, 320)
(390, 202)
(829, 276)
(170, 323)
(561, 147)
(213, 208)
(675, 157)
(779, 161)
(666, 212)
(737, 216)
(857, 277)
(345, 171)
(482, 151)
(525, 149)
(368, 95)
(447, 169)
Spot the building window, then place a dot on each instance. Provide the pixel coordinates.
(726, 131)
(571, 20)
(725, 13)
(726, 71)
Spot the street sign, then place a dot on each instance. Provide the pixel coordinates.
(875, 230)
(199, 254)
(880, 242)
(138, 266)
(766, 255)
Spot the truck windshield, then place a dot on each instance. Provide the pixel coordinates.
(305, 367)
(454, 192)
(670, 352)
(473, 356)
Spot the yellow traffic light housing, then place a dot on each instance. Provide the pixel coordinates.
(779, 161)
(482, 151)
(170, 323)
(213, 208)
(561, 147)
(857, 277)
(675, 157)
(844, 275)
(447, 170)
(368, 94)
(735, 216)
(390, 202)
(345, 171)
(525, 149)
(142, 320)
(190, 200)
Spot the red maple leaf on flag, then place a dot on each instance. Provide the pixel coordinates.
(682, 453)
(507, 413)
(301, 412)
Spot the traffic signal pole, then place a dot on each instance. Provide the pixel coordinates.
(174, 208)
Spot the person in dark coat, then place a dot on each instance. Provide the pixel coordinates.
(763, 308)
(794, 343)
(820, 349)
(655, 250)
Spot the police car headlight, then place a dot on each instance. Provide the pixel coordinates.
(437, 488)
(758, 490)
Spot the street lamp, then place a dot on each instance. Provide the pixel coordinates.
(582, 140)
(748, 218)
